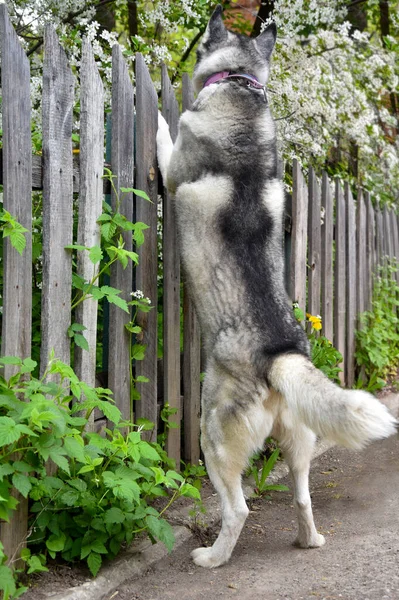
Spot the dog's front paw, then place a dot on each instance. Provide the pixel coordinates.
(206, 557)
(315, 541)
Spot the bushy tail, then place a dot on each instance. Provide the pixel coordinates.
(350, 418)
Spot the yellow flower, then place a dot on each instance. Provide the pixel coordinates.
(315, 321)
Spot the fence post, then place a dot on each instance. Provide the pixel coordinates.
(394, 222)
(379, 231)
(350, 286)
(314, 253)
(299, 236)
(191, 348)
(370, 249)
(147, 270)
(171, 286)
(17, 200)
(58, 99)
(340, 276)
(122, 165)
(388, 233)
(327, 233)
(361, 240)
(90, 203)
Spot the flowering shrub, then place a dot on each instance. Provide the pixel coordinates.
(330, 83)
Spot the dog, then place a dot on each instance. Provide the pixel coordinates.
(222, 172)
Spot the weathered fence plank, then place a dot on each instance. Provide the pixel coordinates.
(314, 251)
(192, 349)
(327, 235)
(57, 106)
(146, 272)
(361, 240)
(299, 236)
(340, 275)
(17, 269)
(370, 249)
(122, 166)
(350, 286)
(90, 202)
(394, 220)
(171, 286)
(388, 233)
(37, 174)
(379, 233)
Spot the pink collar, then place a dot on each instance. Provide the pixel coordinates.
(251, 79)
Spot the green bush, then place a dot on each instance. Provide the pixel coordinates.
(101, 493)
(377, 340)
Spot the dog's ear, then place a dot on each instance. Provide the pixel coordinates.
(215, 31)
(266, 40)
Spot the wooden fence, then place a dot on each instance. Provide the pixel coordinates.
(334, 282)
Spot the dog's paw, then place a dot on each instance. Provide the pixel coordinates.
(206, 557)
(316, 541)
(162, 124)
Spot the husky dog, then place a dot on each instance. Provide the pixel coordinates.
(229, 200)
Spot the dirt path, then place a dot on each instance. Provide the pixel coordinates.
(356, 506)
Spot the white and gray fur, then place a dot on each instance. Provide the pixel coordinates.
(229, 206)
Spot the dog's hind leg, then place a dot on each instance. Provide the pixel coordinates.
(230, 432)
(297, 443)
(226, 479)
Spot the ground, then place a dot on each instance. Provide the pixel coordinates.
(355, 499)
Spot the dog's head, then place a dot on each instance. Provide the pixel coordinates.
(222, 50)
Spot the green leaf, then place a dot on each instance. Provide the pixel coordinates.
(10, 360)
(35, 565)
(86, 469)
(277, 488)
(28, 365)
(56, 543)
(78, 484)
(9, 431)
(148, 451)
(139, 193)
(18, 241)
(7, 583)
(77, 327)
(166, 534)
(76, 247)
(57, 456)
(120, 302)
(22, 484)
(5, 470)
(99, 547)
(138, 351)
(108, 230)
(70, 497)
(74, 448)
(104, 218)
(81, 341)
(95, 254)
(94, 561)
(190, 491)
(111, 411)
(114, 515)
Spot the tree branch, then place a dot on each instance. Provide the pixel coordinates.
(187, 52)
(265, 10)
